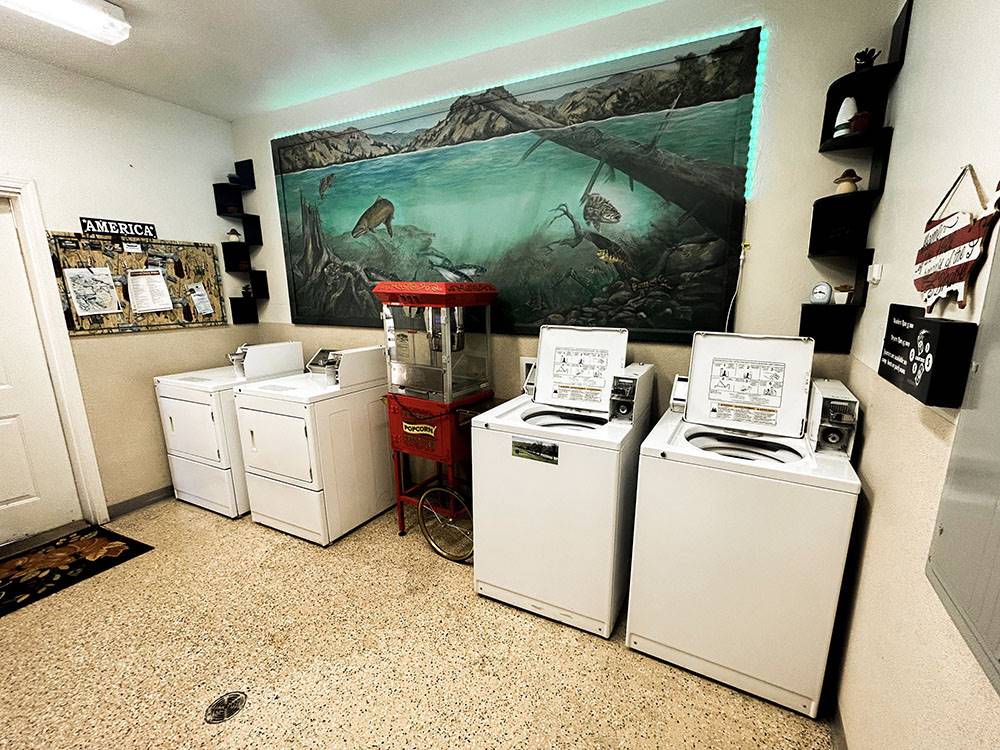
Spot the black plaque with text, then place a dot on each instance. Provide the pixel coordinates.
(928, 358)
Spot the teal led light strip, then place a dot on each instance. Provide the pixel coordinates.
(753, 146)
(754, 118)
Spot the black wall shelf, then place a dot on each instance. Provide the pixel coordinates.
(258, 284)
(832, 326)
(870, 89)
(840, 223)
(244, 310)
(236, 256)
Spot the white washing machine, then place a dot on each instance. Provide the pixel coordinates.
(199, 424)
(316, 445)
(553, 481)
(741, 529)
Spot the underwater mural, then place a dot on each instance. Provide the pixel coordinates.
(611, 194)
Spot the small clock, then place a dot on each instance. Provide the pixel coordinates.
(821, 293)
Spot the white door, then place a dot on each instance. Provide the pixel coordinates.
(37, 489)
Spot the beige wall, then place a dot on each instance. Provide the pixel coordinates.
(909, 680)
(116, 376)
(97, 150)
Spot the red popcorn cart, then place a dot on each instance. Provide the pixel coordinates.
(440, 370)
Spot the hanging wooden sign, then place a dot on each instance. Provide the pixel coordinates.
(954, 248)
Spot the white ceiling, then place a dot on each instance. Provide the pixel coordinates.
(236, 57)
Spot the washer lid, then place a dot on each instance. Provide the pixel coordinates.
(750, 383)
(575, 366)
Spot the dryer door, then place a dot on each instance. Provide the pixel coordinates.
(190, 429)
(276, 444)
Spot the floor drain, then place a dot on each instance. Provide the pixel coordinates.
(225, 707)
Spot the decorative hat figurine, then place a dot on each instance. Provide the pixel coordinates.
(842, 125)
(233, 235)
(847, 182)
(865, 59)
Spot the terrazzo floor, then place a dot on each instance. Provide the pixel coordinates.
(373, 642)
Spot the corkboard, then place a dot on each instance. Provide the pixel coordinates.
(183, 264)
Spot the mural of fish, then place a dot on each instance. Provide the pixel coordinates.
(379, 212)
(374, 275)
(513, 181)
(599, 210)
(458, 273)
(325, 184)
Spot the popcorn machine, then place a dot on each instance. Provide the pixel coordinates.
(438, 354)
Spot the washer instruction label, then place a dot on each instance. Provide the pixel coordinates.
(579, 374)
(747, 391)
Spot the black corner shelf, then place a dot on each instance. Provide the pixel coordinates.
(228, 200)
(244, 310)
(870, 90)
(243, 174)
(832, 326)
(840, 223)
(258, 285)
(866, 139)
(236, 256)
(251, 230)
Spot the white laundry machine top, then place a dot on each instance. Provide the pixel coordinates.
(747, 383)
(208, 381)
(786, 458)
(522, 416)
(331, 373)
(576, 371)
(252, 362)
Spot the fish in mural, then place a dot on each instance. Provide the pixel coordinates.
(325, 184)
(374, 275)
(599, 210)
(379, 212)
(451, 271)
(459, 273)
(608, 251)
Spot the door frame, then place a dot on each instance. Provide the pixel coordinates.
(27, 210)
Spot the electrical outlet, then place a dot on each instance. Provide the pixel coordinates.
(874, 273)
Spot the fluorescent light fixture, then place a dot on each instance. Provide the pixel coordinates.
(95, 19)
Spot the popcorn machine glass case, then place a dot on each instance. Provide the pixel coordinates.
(437, 336)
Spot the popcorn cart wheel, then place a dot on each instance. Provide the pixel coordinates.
(446, 522)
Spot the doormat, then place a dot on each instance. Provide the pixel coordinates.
(48, 568)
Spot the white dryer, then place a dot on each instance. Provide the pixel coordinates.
(316, 445)
(199, 424)
(741, 529)
(554, 481)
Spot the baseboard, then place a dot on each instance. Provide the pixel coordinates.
(837, 733)
(141, 501)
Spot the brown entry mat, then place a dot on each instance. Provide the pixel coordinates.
(48, 568)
